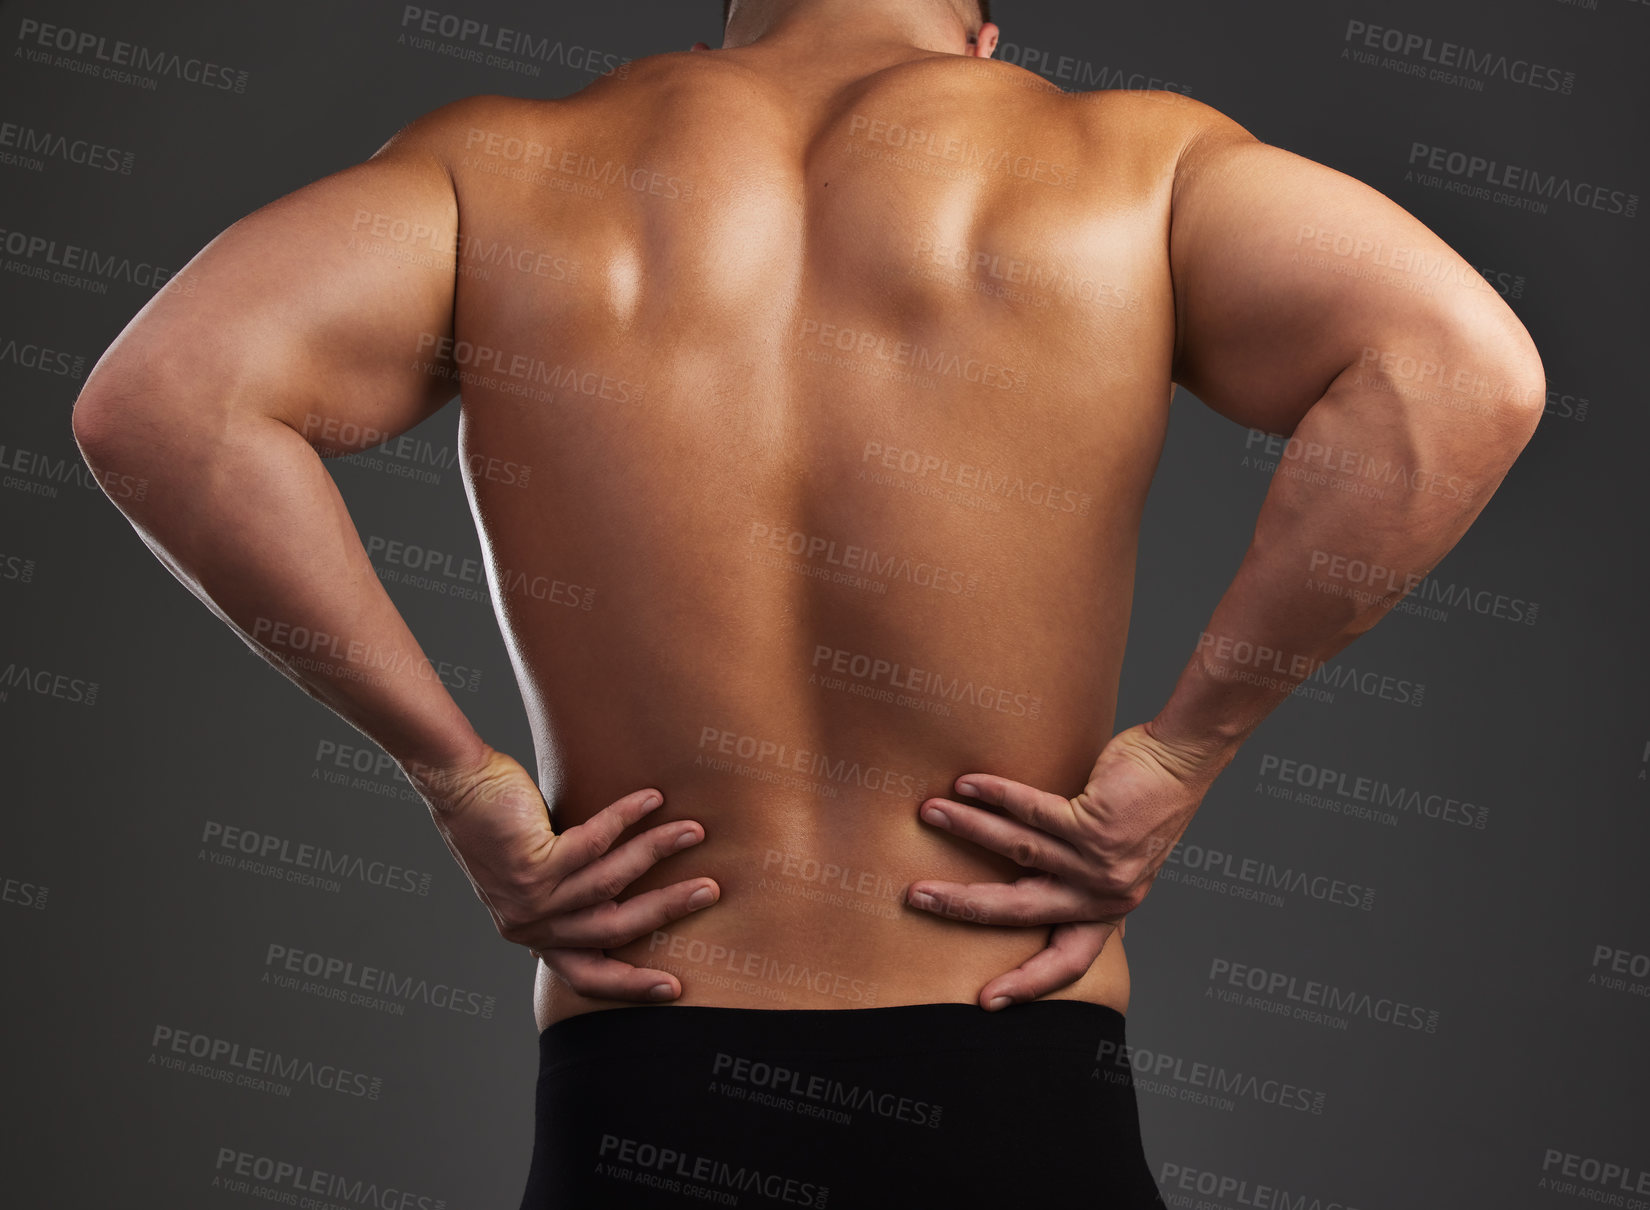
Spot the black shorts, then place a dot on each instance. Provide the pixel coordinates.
(856, 1109)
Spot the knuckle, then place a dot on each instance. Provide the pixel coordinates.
(1112, 886)
(667, 840)
(609, 883)
(512, 930)
(1119, 879)
(1023, 853)
(523, 880)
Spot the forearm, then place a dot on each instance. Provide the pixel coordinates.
(241, 509)
(1376, 485)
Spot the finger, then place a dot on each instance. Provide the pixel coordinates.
(610, 925)
(583, 843)
(1071, 951)
(1028, 901)
(1047, 812)
(1019, 842)
(592, 973)
(607, 876)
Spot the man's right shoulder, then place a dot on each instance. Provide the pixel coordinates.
(451, 128)
(1174, 126)
(459, 123)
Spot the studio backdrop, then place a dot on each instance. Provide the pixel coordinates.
(1400, 960)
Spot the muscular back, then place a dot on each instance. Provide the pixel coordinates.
(809, 404)
(840, 401)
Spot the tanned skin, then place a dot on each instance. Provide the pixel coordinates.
(839, 360)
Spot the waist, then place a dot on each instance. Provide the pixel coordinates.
(866, 1032)
(826, 953)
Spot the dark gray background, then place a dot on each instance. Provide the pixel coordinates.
(1495, 929)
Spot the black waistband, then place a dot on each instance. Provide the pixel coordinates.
(1054, 1024)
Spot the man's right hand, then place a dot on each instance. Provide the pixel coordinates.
(556, 894)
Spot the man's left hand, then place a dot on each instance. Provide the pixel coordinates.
(1094, 855)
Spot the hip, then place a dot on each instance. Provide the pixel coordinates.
(784, 965)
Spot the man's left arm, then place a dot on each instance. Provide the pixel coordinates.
(311, 327)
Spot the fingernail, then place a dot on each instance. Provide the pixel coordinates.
(965, 787)
(999, 1002)
(652, 800)
(923, 899)
(660, 991)
(701, 897)
(936, 816)
(685, 839)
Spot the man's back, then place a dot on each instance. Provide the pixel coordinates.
(840, 401)
(811, 393)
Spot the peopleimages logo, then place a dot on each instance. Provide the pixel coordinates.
(254, 1066)
(1180, 1181)
(25, 143)
(1264, 877)
(236, 1169)
(827, 1093)
(1079, 74)
(1311, 999)
(1586, 1170)
(83, 52)
(1618, 966)
(704, 1177)
(300, 862)
(1487, 64)
(1373, 791)
(487, 37)
(31, 356)
(1200, 1083)
(84, 265)
(350, 982)
(1489, 179)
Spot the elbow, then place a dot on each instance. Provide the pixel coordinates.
(111, 427)
(1518, 421)
(126, 408)
(94, 422)
(103, 408)
(1518, 407)
(129, 393)
(126, 432)
(1507, 351)
(1492, 376)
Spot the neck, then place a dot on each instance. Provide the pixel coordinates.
(846, 25)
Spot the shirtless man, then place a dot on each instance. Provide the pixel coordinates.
(811, 391)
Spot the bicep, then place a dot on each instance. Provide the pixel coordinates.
(1287, 273)
(328, 309)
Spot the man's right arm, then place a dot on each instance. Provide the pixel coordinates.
(1388, 378)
